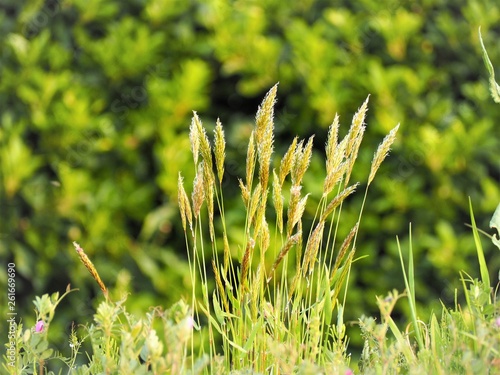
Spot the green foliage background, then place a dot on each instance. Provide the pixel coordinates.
(96, 99)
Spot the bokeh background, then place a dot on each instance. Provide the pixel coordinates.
(96, 98)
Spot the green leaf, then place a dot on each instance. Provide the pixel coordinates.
(494, 87)
(326, 292)
(409, 280)
(495, 223)
(218, 311)
(46, 354)
(255, 329)
(483, 268)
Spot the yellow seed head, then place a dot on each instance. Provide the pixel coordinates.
(219, 149)
(339, 198)
(288, 160)
(90, 266)
(312, 248)
(278, 201)
(382, 152)
(198, 194)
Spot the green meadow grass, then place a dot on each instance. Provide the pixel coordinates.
(277, 305)
(272, 300)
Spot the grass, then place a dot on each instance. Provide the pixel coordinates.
(271, 301)
(277, 290)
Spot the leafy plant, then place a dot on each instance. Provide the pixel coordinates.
(120, 343)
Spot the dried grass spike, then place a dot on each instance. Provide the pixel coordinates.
(334, 177)
(250, 162)
(339, 198)
(194, 138)
(292, 208)
(312, 247)
(265, 150)
(184, 206)
(343, 250)
(336, 166)
(356, 126)
(245, 194)
(198, 195)
(297, 156)
(245, 264)
(219, 149)
(340, 278)
(205, 148)
(254, 204)
(278, 201)
(227, 254)
(382, 152)
(331, 144)
(305, 159)
(298, 212)
(302, 159)
(287, 162)
(265, 237)
(292, 240)
(265, 113)
(260, 217)
(90, 266)
(354, 153)
(208, 185)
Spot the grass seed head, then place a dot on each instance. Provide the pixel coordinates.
(198, 194)
(355, 131)
(288, 161)
(343, 249)
(331, 144)
(245, 264)
(312, 247)
(204, 143)
(245, 194)
(302, 158)
(382, 152)
(219, 149)
(339, 198)
(250, 163)
(278, 201)
(90, 266)
(194, 139)
(290, 241)
(265, 114)
(184, 206)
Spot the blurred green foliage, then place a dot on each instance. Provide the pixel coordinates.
(96, 99)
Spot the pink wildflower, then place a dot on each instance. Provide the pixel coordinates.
(349, 372)
(39, 326)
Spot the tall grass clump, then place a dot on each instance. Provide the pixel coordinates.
(462, 339)
(267, 303)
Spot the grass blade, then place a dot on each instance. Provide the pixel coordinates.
(410, 288)
(483, 268)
